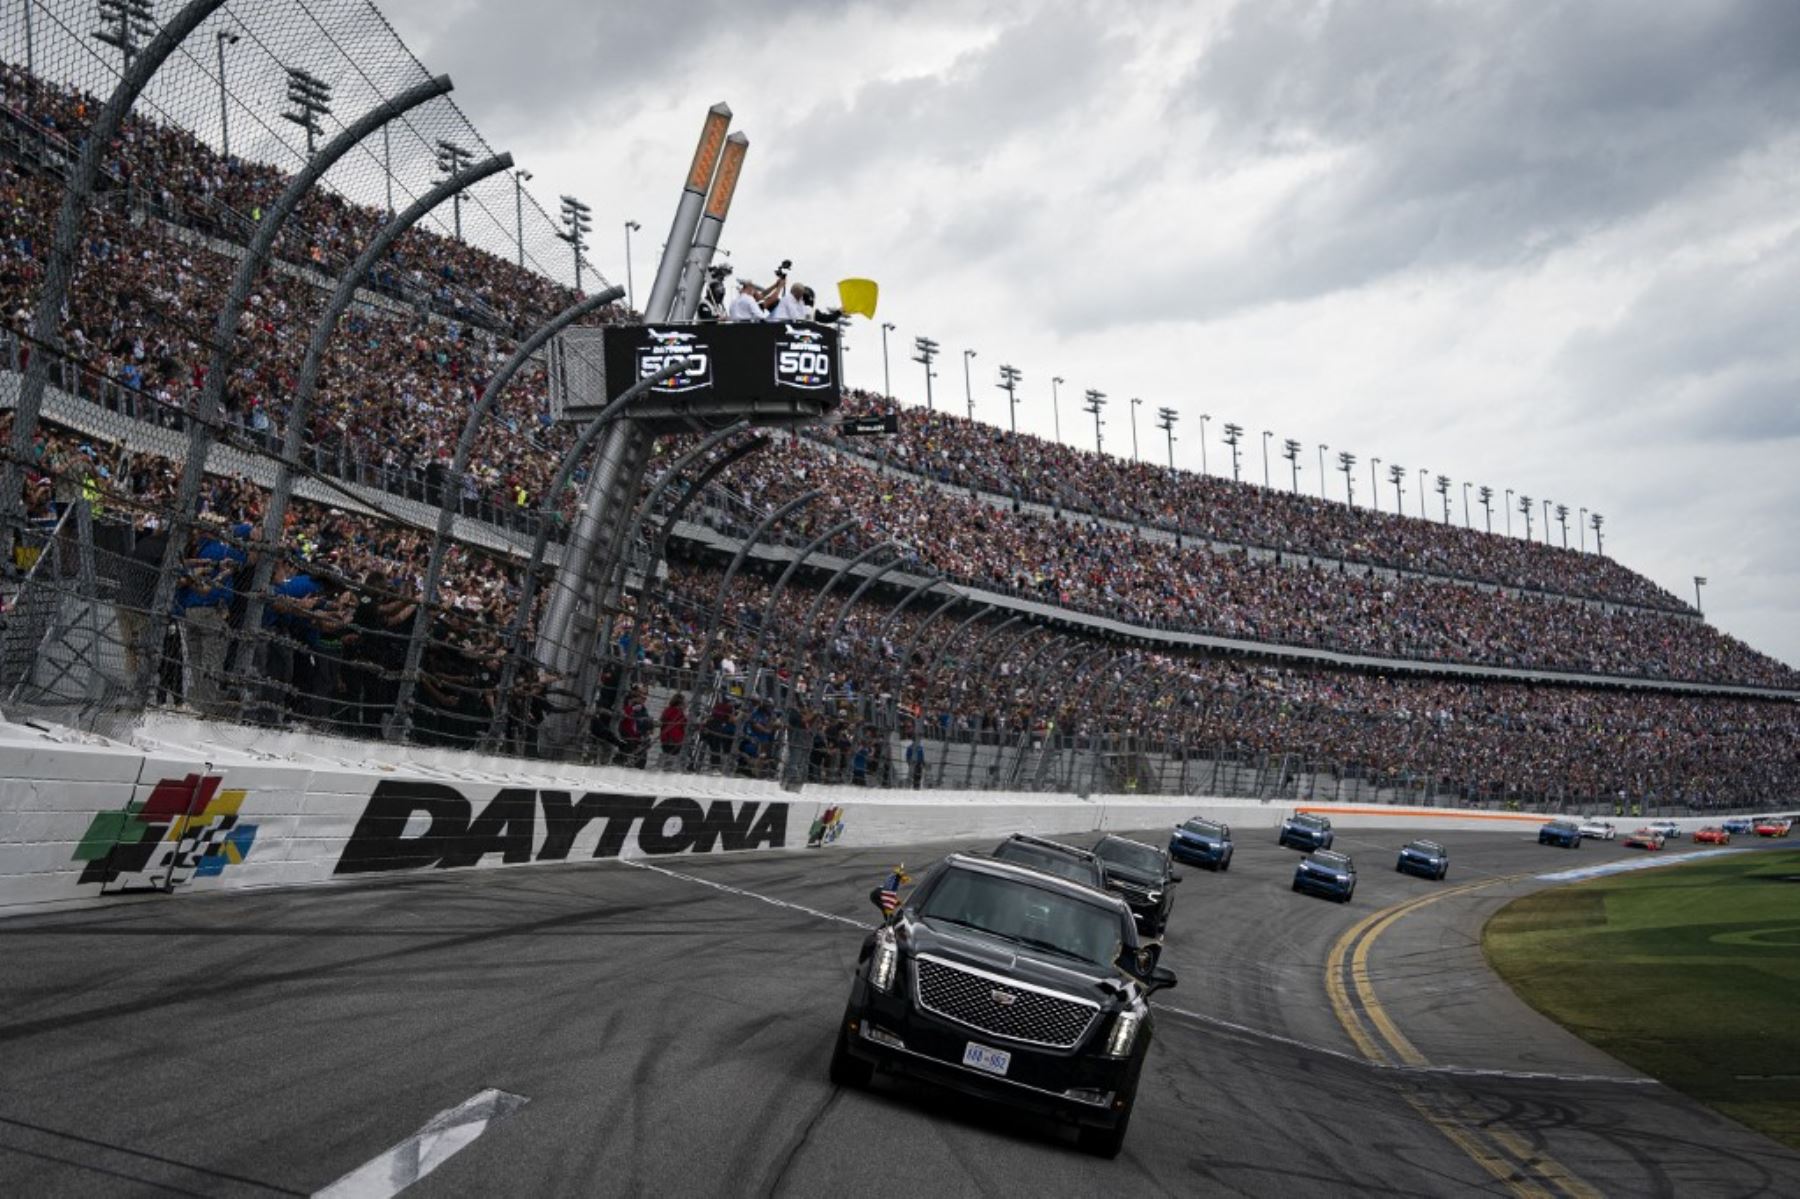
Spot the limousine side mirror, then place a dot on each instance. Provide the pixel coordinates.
(1174, 877)
(1161, 979)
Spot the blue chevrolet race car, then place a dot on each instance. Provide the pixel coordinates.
(1202, 843)
(1427, 859)
(1565, 833)
(1739, 825)
(1306, 832)
(1325, 873)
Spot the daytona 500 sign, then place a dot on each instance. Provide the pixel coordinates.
(412, 825)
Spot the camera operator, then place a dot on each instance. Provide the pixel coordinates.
(712, 296)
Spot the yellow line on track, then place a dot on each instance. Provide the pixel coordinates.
(1503, 1154)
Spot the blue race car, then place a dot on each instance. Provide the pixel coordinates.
(1202, 843)
(1325, 873)
(1565, 833)
(1739, 825)
(1427, 859)
(1305, 832)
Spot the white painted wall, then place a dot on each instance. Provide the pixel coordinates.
(307, 797)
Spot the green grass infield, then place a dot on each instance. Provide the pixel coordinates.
(1689, 973)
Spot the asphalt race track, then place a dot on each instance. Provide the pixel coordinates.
(669, 1033)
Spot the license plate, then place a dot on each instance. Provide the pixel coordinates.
(994, 1061)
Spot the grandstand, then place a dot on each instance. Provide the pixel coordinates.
(1038, 617)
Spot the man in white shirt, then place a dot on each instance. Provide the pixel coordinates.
(791, 304)
(751, 303)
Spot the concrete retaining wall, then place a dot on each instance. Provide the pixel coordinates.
(190, 807)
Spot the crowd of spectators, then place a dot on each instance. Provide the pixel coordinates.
(396, 388)
(345, 593)
(1083, 564)
(399, 381)
(966, 453)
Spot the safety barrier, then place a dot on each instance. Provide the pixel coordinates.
(181, 810)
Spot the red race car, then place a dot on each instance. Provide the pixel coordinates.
(1712, 836)
(1644, 838)
(1772, 827)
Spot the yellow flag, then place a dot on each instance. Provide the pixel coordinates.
(859, 296)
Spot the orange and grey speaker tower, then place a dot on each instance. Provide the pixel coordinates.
(660, 306)
(706, 242)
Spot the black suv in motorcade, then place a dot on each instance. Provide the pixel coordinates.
(1305, 831)
(1010, 985)
(1053, 857)
(1142, 876)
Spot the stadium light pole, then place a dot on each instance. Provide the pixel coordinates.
(887, 384)
(1562, 518)
(1166, 422)
(387, 167)
(1506, 507)
(927, 354)
(1204, 417)
(1599, 546)
(630, 289)
(1009, 383)
(1546, 522)
(519, 178)
(1322, 475)
(1056, 406)
(1466, 522)
(1096, 400)
(1265, 452)
(1347, 463)
(1396, 475)
(1487, 504)
(1290, 449)
(1443, 490)
(1699, 582)
(968, 387)
(1375, 484)
(221, 39)
(1422, 473)
(127, 25)
(1526, 510)
(311, 98)
(1135, 404)
(1581, 529)
(578, 222)
(30, 49)
(451, 159)
(1233, 433)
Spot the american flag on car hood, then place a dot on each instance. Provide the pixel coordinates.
(890, 890)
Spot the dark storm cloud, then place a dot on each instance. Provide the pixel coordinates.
(532, 62)
(1718, 343)
(1477, 134)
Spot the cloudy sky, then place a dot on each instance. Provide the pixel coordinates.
(1552, 247)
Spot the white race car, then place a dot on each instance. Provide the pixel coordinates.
(1668, 828)
(1598, 830)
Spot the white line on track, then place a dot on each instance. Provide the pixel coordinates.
(444, 1135)
(729, 890)
(1400, 1068)
(1214, 1021)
